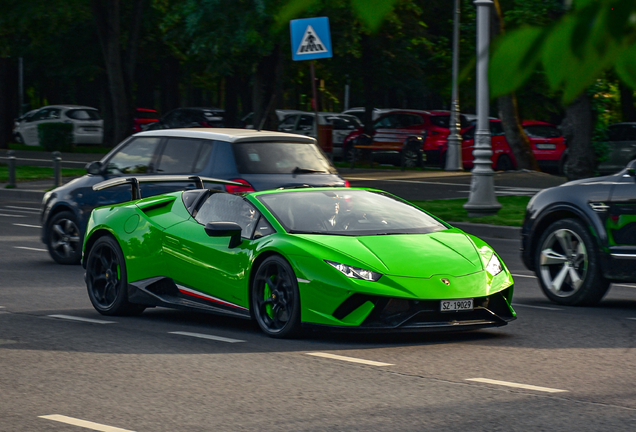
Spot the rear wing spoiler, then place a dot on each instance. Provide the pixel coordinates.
(135, 181)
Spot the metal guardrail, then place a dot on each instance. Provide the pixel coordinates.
(56, 159)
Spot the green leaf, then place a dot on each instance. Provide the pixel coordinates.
(514, 58)
(626, 66)
(292, 10)
(372, 12)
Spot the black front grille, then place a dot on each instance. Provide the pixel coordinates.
(407, 313)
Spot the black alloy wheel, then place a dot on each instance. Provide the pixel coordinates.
(106, 279)
(275, 298)
(504, 163)
(64, 240)
(412, 156)
(568, 266)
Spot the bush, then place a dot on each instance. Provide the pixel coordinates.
(56, 136)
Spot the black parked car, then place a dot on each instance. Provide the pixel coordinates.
(257, 160)
(189, 118)
(581, 236)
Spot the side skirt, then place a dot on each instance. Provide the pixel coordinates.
(163, 291)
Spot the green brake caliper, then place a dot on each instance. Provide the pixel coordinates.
(267, 294)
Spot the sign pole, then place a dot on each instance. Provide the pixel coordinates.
(312, 72)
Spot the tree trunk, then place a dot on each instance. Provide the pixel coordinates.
(627, 102)
(516, 137)
(367, 82)
(509, 114)
(232, 84)
(5, 116)
(266, 80)
(119, 68)
(577, 129)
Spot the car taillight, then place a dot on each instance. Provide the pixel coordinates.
(347, 184)
(239, 189)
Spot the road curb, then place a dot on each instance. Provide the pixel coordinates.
(490, 231)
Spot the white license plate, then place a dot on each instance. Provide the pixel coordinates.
(546, 146)
(456, 305)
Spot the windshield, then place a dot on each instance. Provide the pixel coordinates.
(350, 212)
(281, 158)
(343, 122)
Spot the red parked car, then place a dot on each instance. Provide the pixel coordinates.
(144, 116)
(394, 130)
(547, 143)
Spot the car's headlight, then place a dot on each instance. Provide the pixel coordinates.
(355, 272)
(494, 266)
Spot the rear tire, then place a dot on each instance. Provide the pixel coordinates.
(411, 156)
(568, 266)
(504, 163)
(64, 240)
(106, 279)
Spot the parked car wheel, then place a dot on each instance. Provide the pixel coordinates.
(106, 279)
(64, 240)
(504, 163)
(412, 156)
(275, 298)
(567, 265)
(19, 139)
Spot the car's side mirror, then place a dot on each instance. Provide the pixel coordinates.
(95, 168)
(225, 229)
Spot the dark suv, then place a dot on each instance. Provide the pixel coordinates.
(581, 236)
(257, 159)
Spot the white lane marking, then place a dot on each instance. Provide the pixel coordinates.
(72, 318)
(516, 385)
(11, 215)
(632, 319)
(83, 423)
(211, 337)
(624, 286)
(30, 248)
(348, 359)
(536, 307)
(526, 276)
(27, 225)
(1, 307)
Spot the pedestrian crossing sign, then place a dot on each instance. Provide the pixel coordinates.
(310, 38)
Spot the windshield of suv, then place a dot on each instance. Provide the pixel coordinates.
(281, 158)
(347, 212)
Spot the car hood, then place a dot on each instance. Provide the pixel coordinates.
(448, 252)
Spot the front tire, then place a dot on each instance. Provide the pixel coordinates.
(276, 299)
(64, 240)
(106, 279)
(568, 266)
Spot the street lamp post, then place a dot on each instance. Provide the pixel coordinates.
(454, 153)
(482, 200)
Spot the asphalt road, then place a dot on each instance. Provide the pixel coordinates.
(62, 364)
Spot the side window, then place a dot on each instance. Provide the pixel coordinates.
(288, 124)
(41, 115)
(630, 133)
(180, 156)
(496, 128)
(386, 122)
(263, 228)
(225, 207)
(135, 158)
(170, 119)
(469, 134)
(615, 133)
(305, 123)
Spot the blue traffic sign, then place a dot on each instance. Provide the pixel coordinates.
(310, 38)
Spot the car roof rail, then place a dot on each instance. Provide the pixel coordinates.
(135, 181)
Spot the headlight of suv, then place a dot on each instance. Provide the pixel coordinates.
(494, 266)
(355, 272)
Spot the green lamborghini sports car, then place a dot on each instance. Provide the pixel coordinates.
(340, 258)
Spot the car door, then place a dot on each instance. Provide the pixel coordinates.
(621, 221)
(288, 124)
(30, 129)
(208, 264)
(385, 131)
